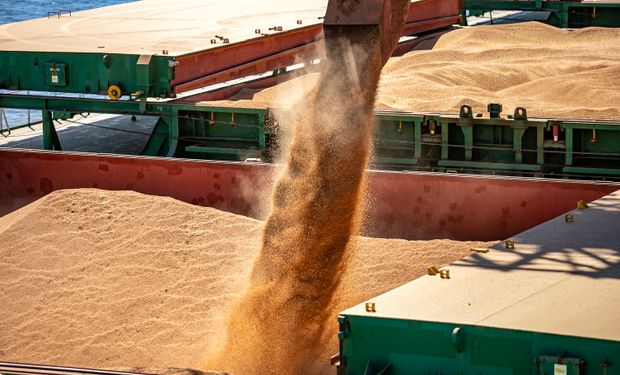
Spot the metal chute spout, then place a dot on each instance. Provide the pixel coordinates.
(387, 15)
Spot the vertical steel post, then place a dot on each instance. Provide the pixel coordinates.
(173, 132)
(517, 143)
(417, 138)
(569, 144)
(48, 144)
(261, 131)
(564, 16)
(464, 17)
(444, 139)
(29, 118)
(540, 144)
(50, 137)
(468, 133)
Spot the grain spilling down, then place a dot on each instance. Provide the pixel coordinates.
(109, 279)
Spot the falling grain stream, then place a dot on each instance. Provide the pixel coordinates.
(278, 325)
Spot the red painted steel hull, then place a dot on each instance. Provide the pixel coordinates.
(426, 15)
(404, 205)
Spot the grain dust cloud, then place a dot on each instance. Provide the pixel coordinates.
(277, 326)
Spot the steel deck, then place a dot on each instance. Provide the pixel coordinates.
(150, 27)
(562, 278)
(164, 48)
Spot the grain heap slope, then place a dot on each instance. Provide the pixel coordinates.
(549, 71)
(108, 279)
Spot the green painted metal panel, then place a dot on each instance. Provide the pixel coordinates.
(416, 347)
(227, 135)
(565, 14)
(402, 140)
(488, 166)
(236, 153)
(85, 73)
(394, 162)
(599, 172)
(569, 366)
(395, 141)
(55, 74)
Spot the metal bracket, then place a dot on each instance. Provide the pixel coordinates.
(466, 112)
(50, 136)
(520, 114)
(495, 110)
(458, 339)
(143, 79)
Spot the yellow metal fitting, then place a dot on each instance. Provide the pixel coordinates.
(480, 249)
(444, 274)
(370, 307)
(114, 92)
(212, 120)
(137, 95)
(232, 119)
(593, 140)
(581, 204)
(569, 218)
(432, 270)
(510, 244)
(400, 127)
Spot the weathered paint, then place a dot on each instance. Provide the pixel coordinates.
(409, 205)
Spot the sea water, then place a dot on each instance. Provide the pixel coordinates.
(21, 10)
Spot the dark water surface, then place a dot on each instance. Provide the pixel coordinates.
(21, 10)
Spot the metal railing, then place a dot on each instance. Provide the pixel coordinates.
(59, 13)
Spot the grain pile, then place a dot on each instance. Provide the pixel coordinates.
(315, 210)
(119, 279)
(550, 71)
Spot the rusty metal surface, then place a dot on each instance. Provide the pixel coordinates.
(403, 205)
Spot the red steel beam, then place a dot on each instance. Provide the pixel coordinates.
(424, 10)
(266, 64)
(429, 25)
(262, 83)
(283, 49)
(403, 205)
(228, 91)
(200, 65)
